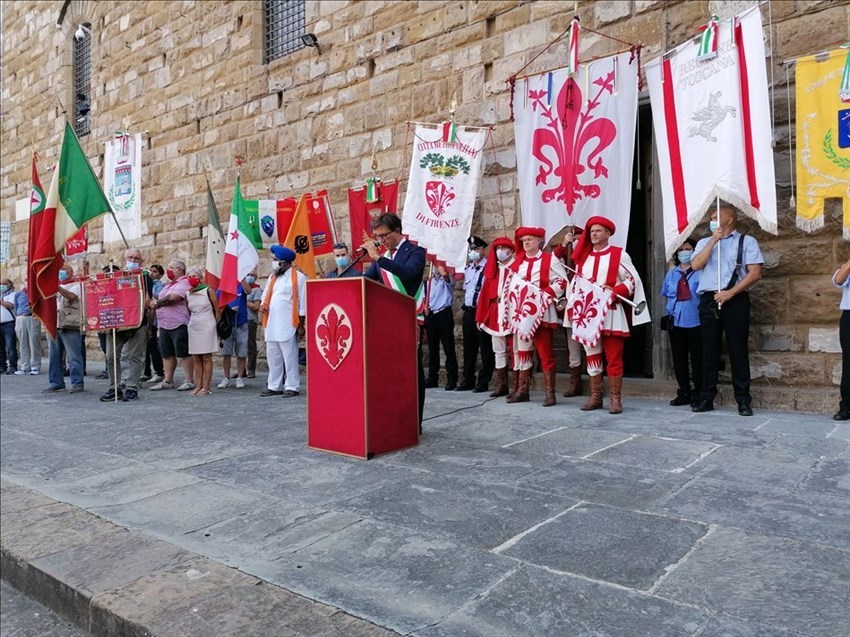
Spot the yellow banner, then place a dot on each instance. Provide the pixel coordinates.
(823, 139)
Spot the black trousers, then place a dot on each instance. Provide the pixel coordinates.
(420, 374)
(844, 339)
(153, 357)
(686, 345)
(733, 319)
(440, 328)
(474, 340)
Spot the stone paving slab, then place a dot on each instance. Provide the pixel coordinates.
(831, 477)
(611, 545)
(387, 574)
(803, 576)
(803, 516)
(537, 602)
(627, 487)
(478, 514)
(22, 617)
(806, 447)
(754, 466)
(570, 442)
(653, 452)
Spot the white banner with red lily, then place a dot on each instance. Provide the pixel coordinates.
(523, 305)
(575, 139)
(122, 182)
(441, 189)
(590, 305)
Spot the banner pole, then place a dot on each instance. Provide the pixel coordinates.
(115, 366)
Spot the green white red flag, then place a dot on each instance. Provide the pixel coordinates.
(240, 255)
(215, 243)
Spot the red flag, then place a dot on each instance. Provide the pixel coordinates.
(285, 215)
(78, 244)
(322, 228)
(42, 258)
(362, 213)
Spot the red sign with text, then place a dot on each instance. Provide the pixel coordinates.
(113, 302)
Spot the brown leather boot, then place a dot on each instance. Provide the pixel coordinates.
(574, 388)
(549, 385)
(521, 395)
(595, 399)
(616, 385)
(501, 383)
(514, 386)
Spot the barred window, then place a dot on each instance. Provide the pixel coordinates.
(82, 79)
(284, 26)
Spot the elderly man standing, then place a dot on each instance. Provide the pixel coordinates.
(28, 329)
(130, 344)
(172, 316)
(68, 322)
(547, 274)
(601, 265)
(729, 264)
(282, 310)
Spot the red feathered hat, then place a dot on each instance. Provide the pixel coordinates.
(584, 246)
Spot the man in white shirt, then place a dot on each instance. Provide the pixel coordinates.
(475, 340)
(282, 310)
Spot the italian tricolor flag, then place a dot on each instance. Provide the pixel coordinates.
(215, 243)
(240, 255)
(449, 132)
(75, 196)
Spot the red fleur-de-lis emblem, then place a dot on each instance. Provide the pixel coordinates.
(439, 197)
(585, 309)
(524, 302)
(575, 140)
(333, 334)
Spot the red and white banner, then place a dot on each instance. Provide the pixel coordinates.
(362, 212)
(441, 191)
(575, 140)
(712, 129)
(122, 182)
(590, 305)
(78, 245)
(322, 227)
(523, 306)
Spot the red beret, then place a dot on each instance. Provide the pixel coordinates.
(601, 221)
(525, 231)
(503, 242)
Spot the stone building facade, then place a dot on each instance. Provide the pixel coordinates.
(192, 75)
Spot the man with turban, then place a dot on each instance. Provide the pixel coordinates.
(282, 310)
(546, 273)
(600, 265)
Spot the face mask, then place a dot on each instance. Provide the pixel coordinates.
(131, 265)
(194, 281)
(63, 275)
(250, 279)
(474, 255)
(713, 226)
(685, 256)
(342, 262)
(170, 274)
(3, 288)
(503, 254)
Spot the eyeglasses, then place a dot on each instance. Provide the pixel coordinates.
(382, 235)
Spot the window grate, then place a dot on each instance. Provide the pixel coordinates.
(82, 82)
(283, 27)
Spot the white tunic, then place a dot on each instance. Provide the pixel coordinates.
(279, 327)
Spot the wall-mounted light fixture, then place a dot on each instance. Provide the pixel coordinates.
(310, 39)
(81, 32)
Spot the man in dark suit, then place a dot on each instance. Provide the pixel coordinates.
(403, 259)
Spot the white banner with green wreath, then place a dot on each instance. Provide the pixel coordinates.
(441, 190)
(122, 183)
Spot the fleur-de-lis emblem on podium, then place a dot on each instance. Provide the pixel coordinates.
(576, 138)
(333, 334)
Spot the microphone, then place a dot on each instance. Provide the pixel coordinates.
(363, 253)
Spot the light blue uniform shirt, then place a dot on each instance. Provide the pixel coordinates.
(729, 255)
(845, 292)
(684, 313)
(471, 276)
(440, 294)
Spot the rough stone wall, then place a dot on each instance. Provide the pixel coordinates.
(191, 74)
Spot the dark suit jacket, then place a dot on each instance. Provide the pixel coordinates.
(408, 265)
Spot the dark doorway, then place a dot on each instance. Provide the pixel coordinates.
(637, 358)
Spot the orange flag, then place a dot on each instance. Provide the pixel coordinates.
(298, 239)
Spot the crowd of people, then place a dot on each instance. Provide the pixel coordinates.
(589, 287)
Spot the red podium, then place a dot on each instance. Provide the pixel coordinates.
(362, 386)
